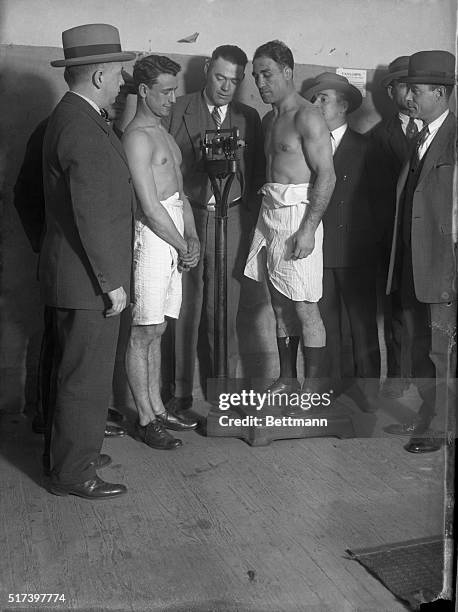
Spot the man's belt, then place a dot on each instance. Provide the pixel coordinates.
(212, 207)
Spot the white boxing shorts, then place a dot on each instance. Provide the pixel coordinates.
(282, 210)
(156, 279)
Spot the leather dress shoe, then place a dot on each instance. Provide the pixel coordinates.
(393, 388)
(427, 444)
(155, 435)
(115, 416)
(407, 429)
(284, 385)
(180, 422)
(113, 431)
(96, 488)
(101, 462)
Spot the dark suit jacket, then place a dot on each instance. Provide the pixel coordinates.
(87, 249)
(433, 249)
(388, 152)
(349, 226)
(28, 192)
(187, 125)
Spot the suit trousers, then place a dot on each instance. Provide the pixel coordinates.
(356, 288)
(195, 328)
(398, 359)
(430, 330)
(84, 360)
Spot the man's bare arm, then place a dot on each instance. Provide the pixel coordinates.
(316, 144)
(318, 152)
(139, 148)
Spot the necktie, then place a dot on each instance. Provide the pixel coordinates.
(216, 114)
(411, 129)
(423, 135)
(333, 143)
(104, 115)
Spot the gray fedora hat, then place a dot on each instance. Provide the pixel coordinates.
(331, 80)
(93, 43)
(397, 70)
(432, 68)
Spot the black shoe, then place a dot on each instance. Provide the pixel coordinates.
(155, 435)
(393, 388)
(95, 488)
(115, 416)
(284, 385)
(101, 462)
(423, 445)
(181, 422)
(113, 431)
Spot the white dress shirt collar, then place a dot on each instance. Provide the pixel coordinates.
(404, 119)
(88, 100)
(337, 135)
(433, 128)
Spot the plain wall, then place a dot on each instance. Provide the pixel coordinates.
(323, 35)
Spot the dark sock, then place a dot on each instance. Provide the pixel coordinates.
(287, 352)
(313, 366)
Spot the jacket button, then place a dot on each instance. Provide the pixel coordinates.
(344, 178)
(445, 295)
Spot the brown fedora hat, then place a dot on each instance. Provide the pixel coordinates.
(432, 68)
(93, 43)
(331, 80)
(397, 70)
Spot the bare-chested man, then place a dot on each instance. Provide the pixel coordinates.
(287, 243)
(165, 244)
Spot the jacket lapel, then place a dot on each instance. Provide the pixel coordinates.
(192, 118)
(436, 147)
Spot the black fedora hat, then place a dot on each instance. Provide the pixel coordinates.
(397, 70)
(92, 43)
(331, 80)
(432, 68)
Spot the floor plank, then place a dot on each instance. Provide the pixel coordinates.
(215, 526)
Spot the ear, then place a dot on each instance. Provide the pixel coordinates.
(389, 91)
(345, 106)
(440, 91)
(142, 90)
(206, 66)
(288, 73)
(97, 78)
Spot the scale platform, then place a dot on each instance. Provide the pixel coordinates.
(259, 428)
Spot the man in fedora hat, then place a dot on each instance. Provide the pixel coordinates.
(85, 258)
(423, 256)
(287, 243)
(390, 142)
(349, 256)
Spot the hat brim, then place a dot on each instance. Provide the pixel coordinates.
(355, 98)
(432, 80)
(95, 59)
(394, 76)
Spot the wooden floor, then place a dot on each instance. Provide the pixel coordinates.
(217, 525)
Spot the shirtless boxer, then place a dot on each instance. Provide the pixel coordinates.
(165, 244)
(287, 243)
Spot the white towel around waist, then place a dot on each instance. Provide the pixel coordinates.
(282, 210)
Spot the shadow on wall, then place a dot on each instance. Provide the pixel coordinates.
(26, 98)
(193, 73)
